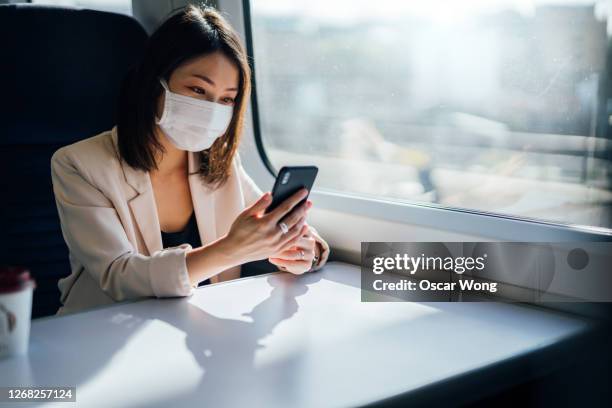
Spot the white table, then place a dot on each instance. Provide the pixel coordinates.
(277, 340)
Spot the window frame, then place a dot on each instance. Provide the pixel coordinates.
(248, 36)
(497, 226)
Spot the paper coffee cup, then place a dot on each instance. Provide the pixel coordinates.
(16, 287)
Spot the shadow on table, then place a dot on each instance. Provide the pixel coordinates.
(224, 348)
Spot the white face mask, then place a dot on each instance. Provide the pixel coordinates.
(193, 124)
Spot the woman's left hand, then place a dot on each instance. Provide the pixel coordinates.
(297, 259)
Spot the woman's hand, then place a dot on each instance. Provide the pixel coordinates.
(298, 259)
(255, 235)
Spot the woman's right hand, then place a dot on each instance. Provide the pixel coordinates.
(255, 235)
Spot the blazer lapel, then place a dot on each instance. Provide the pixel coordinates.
(145, 214)
(144, 209)
(203, 199)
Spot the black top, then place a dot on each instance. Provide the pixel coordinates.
(189, 235)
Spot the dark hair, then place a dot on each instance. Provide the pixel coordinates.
(192, 32)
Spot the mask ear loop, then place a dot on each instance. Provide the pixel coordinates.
(164, 84)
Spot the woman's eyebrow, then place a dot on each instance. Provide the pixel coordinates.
(210, 81)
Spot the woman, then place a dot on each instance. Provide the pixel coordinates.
(161, 202)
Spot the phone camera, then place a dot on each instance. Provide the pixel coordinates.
(286, 178)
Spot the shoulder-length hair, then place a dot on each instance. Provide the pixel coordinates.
(193, 32)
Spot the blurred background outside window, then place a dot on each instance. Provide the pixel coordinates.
(499, 106)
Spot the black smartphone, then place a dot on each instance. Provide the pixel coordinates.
(289, 180)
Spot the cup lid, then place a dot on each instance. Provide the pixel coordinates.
(14, 279)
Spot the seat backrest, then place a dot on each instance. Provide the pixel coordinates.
(60, 74)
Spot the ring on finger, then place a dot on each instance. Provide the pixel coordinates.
(284, 228)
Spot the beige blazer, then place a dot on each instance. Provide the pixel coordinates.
(109, 222)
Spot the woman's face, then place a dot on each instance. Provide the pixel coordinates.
(213, 77)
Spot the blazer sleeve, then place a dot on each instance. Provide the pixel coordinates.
(252, 192)
(95, 236)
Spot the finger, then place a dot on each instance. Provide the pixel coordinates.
(296, 215)
(302, 242)
(295, 255)
(287, 262)
(286, 206)
(276, 262)
(292, 235)
(260, 205)
(306, 242)
(308, 232)
(292, 241)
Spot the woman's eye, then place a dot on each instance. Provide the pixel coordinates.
(198, 90)
(228, 100)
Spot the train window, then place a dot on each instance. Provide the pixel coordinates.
(499, 106)
(116, 6)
